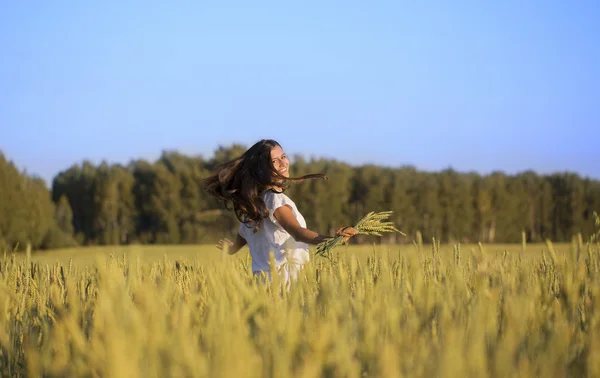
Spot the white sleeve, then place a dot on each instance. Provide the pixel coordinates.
(273, 202)
(243, 230)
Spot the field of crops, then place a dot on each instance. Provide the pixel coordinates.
(380, 311)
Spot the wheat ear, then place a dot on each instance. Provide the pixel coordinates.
(371, 224)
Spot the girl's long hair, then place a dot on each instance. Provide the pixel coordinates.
(240, 183)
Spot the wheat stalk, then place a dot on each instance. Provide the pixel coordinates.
(371, 224)
(596, 235)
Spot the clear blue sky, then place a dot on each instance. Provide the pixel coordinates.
(475, 85)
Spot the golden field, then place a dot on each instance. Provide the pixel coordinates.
(379, 311)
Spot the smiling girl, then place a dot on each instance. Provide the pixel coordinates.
(254, 184)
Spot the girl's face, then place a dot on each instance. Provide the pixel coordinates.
(280, 161)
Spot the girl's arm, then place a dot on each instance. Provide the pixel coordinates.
(285, 216)
(233, 246)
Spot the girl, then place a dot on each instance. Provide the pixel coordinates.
(254, 184)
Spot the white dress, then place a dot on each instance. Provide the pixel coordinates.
(289, 254)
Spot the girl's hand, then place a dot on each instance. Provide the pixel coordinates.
(346, 232)
(222, 242)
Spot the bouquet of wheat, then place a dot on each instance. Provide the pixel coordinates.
(372, 224)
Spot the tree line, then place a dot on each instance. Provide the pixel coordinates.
(161, 202)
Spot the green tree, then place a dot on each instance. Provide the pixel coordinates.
(425, 197)
(78, 184)
(26, 210)
(64, 215)
(157, 200)
(456, 210)
(115, 205)
(569, 209)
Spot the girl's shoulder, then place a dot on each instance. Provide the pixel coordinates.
(272, 194)
(275, 199)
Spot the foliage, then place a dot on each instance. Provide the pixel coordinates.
(27, 214)
(161, 202)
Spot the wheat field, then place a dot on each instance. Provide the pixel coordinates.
(380, 311)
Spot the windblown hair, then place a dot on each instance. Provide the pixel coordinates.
(240, 183)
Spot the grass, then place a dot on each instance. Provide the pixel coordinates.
(382, 311)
